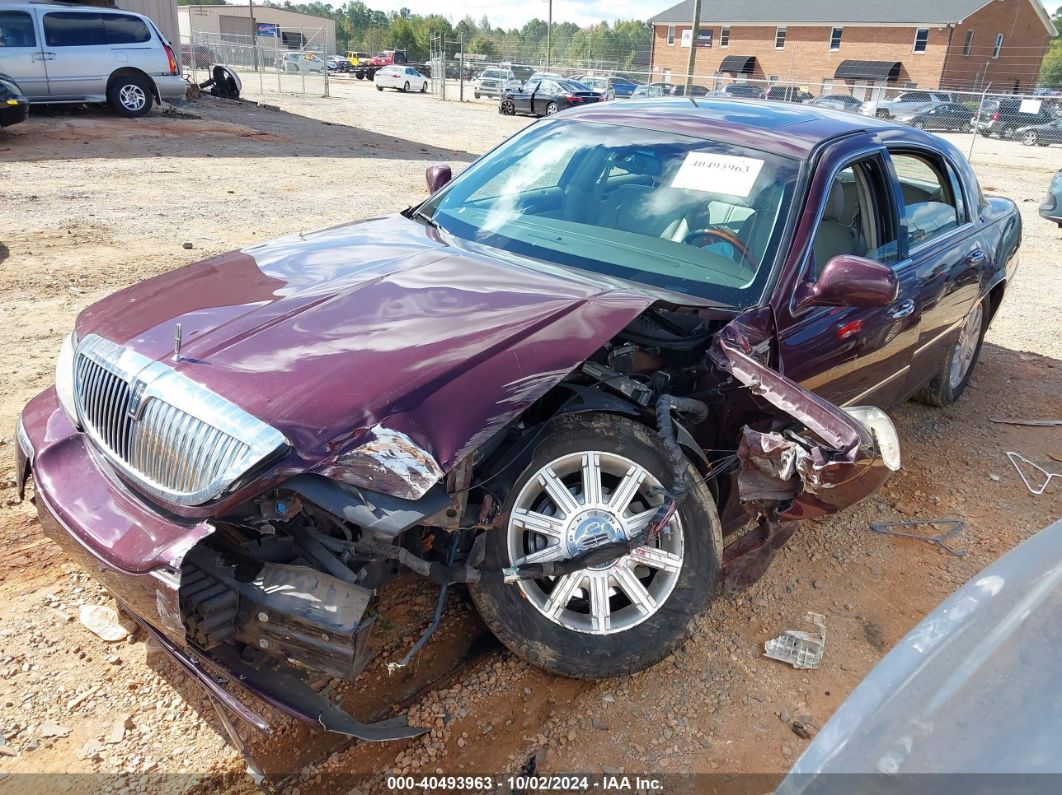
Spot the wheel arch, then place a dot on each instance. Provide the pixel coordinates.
(132, 71)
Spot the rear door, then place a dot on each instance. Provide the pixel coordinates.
(79, 59)
(21, 54)
(941, 245)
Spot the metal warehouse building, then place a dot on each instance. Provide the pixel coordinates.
(233, 23)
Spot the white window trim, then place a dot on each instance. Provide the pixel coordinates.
(724, 39)
(999, 45)
(670, 35)
(840, 38)
(914, 44)
(781, 29)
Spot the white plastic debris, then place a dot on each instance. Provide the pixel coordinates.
(103, 621)
(52, 729)
(799, 649)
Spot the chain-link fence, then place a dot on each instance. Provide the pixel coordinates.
(263, 63)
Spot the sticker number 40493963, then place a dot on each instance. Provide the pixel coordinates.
(713, 173)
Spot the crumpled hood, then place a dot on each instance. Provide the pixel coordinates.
(375, 328)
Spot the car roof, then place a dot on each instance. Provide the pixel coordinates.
(790, 129)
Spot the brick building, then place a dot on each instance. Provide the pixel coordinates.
(854, 44)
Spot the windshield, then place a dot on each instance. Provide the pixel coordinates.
(681, 213)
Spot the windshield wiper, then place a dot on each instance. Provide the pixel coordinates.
(423, 216)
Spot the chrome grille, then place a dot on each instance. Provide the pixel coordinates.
(175, 438)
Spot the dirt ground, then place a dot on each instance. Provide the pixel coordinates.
(90, 203)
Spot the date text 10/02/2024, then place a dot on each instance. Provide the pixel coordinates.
(576, 783)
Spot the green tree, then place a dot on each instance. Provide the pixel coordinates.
(484, 45)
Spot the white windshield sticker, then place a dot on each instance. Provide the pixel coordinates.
(710, 173)
(1030, 106)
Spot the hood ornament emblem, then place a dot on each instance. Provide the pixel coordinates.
(177, 343)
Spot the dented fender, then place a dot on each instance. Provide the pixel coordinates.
(836, 459)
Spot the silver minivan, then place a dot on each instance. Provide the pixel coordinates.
(63, 53)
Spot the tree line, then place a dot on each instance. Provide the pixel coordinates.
(365, 29)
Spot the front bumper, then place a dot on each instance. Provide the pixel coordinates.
(137, 554)
(13, 114)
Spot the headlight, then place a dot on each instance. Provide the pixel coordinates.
(64, 376)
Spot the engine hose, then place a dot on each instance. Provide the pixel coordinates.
(665, 427)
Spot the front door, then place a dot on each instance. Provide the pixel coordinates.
(21, 54)
(853, 355)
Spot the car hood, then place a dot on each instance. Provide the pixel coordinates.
(374, 333)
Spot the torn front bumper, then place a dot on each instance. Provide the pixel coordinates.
(837, 458)
(137, 554)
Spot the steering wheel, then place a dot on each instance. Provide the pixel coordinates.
(710, 235)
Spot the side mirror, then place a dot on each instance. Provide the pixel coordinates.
(847, 280)
(437, 175)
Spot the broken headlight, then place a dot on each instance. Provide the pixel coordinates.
(878, 423)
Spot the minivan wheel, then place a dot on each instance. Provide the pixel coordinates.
(130, 95)
(948, 385)
(595, 478)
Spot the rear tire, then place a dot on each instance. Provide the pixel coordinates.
(1006, 133)
(1030, 139)
(948, 385)
(405, 88)
(551, 108)
(379, 88)
(621, 617)
(130, 95)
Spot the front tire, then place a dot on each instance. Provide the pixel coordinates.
(424, 87)
(130, 96)
(594, 478)
(507, 107)
(1029, 139)
(948, 385)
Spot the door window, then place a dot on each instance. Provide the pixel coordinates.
(125, 29)
(74, 29)
(856, 219)
(16, 29)
(932, 201)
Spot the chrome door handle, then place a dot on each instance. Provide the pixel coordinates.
(975, 257)
(43, 56)
(901, 310)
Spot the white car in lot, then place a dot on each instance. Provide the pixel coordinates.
(402, 78)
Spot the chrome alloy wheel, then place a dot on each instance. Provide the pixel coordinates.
(581, 501)
(966, 346)
(132, 97)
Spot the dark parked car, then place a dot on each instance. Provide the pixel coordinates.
(1003, 116)
(740, 91)
(14, 107)
(1051, 207)
(557, 380)
(680, 90)
(546, 97)
(990, 649)
(199, 56)
(837, 102)
(945, 116)
(787, 94)
(611, 87)
(1044, 134)
(337, 63)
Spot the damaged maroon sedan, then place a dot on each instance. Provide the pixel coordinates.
(598, 378)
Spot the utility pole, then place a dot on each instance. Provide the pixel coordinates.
(254, 35)
(693, 46)
(549, 35)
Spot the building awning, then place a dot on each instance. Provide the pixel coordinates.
(738, 64)
(874, 71)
